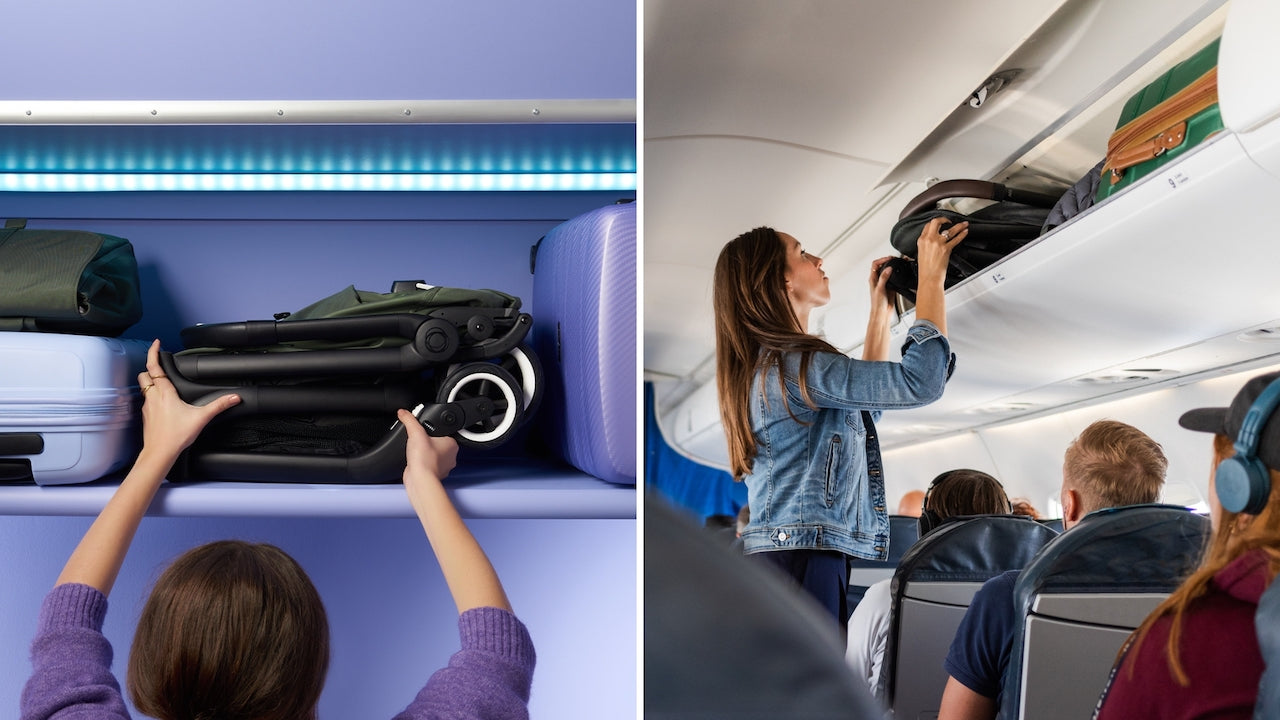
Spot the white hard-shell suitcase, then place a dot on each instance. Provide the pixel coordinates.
(69, 406)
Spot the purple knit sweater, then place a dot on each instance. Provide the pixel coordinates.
(489, 677)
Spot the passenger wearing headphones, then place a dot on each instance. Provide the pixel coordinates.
(951, 495)
(1197, 654)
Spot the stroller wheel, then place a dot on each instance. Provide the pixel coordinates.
(490, 381)
(523, 365)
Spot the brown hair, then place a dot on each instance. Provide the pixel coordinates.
(1227, 543)
(231, 631)
(1023, 506)
(966, 492)
(1112, 464)
(755, 325)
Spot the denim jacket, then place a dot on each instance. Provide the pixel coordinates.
(818, 484)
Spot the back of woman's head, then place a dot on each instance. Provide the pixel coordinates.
(231, 631)
(966, 492)
(1234, 534)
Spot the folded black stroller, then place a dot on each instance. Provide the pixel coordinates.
(319, 388)
(1015, 218)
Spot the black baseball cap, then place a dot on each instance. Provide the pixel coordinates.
(1227, 420)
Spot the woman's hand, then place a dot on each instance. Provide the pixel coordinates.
(169, 424)
(881, 296)
(933, 249)
(427, 459)
(875, 344)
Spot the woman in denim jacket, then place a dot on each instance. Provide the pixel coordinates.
(799, 414)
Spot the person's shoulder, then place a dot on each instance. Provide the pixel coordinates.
(1007, 579)
(879, 594)
(997, 591)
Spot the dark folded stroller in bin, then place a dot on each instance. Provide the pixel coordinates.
(1015, 218)
(319, 388)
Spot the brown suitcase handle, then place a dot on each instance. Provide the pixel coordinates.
(1161, 128)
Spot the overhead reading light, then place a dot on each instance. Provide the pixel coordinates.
(1007, 408)
(1122, 377)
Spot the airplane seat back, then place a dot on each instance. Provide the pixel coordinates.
(932, 588)
(726, 636)
(904, 530)
(1267, 623)
(1055, 523)
(1082, 597)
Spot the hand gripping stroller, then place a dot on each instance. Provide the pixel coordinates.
(318, 393)
(995, 231)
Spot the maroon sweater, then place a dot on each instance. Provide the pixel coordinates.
(1218, 650)
(490, 677)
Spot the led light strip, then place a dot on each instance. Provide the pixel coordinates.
(304, 182)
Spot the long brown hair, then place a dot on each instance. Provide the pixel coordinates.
(1225, 545)
(755, 325)
(232, 631)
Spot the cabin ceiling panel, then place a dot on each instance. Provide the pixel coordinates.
(679, 331)
(864, 79)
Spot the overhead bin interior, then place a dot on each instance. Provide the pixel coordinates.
(255, 178)
(1167, 283)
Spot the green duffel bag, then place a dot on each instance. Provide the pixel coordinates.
(1172, 114)
(458, 304)
(67, 281)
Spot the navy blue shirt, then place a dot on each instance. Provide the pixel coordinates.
(980, 650)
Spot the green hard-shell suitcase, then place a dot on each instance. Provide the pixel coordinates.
(1168, 117)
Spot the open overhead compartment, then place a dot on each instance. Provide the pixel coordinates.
(233, 218)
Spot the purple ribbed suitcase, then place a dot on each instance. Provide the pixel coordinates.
(584, 333)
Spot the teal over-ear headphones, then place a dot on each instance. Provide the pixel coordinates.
(1243, 482)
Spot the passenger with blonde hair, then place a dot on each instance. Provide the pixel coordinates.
(799, 415)
(235, 630)
(1109, 464)
(1197, 654)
